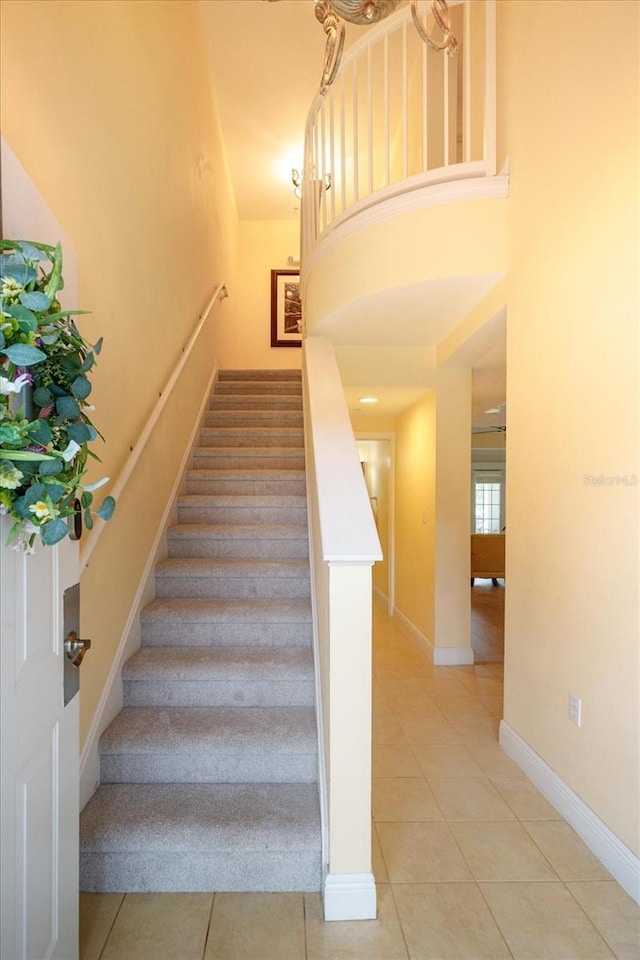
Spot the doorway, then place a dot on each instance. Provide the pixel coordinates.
(376, 459)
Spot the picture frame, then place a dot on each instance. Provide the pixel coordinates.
(286, 309)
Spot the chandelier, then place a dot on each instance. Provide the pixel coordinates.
(332, 13)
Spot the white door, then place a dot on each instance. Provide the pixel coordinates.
(38, 734)
(39, 757)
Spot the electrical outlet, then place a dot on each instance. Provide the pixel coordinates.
(575, 709)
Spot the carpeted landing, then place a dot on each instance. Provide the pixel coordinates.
(209, 773)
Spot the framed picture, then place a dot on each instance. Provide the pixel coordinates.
(286, 309)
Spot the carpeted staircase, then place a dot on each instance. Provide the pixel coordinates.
(209, 773)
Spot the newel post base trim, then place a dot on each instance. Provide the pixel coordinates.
(349, 896)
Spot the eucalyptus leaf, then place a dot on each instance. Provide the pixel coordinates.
(81, 388)
(2, 340)
(105, 512)
(35, 301)
(55, 491)
(31, 252)
(50, 338)
(42, 397)
(78, 432)
(97, 347)
(24, 355)
(88, 519)
(51, 468)
(26, 319)
(54, 531)
(88, 363)
(67, 407)
(35, 492)
(40, 432)
(86, 499)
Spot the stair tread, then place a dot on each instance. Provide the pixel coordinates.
(197, 817)
(232, 567)
(220, 664)
(198, 609)
(242, 531)
(245, 473)
(244, 499)
(211, 730)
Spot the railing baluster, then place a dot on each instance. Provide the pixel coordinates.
(332, 157)
(385, 80)
(343, 146)
(405, 105)
(425, 98)
(489, 127)
(445, 86)
(370, 114)
(356, 155)
(466, 102)
(320, 194)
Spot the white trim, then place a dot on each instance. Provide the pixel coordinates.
(414, 633)
(453, 656)
(619, 860)
(419, 197)
(323, 793)
(349, 896)
(377, 592)
(111, 700)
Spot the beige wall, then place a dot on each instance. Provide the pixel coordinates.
(264, 246)
(415, 483)
(569, 123)
(453, 465)
(123, 144)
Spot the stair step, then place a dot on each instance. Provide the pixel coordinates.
(219, 676)
(280, 387)
(239, 436)
(232, 577)
(259, 375)
(246, 482)
(267, 458)
(270, 508)
(238, 540)
(210, 745)
(195, 621)
(201, 837)
(255, 402)
(252, 419)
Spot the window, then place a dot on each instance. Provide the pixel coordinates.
(488, 502)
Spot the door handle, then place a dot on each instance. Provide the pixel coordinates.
(75, 648)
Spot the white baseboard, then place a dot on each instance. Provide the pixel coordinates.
(350, 896)
(453, 656)
(111, 701)
(413, 632)
(619, 860)
(440, 656)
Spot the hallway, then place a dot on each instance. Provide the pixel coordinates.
(469, 859)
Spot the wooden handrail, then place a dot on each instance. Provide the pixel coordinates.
(88, 545)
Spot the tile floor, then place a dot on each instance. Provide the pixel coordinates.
(470, 860)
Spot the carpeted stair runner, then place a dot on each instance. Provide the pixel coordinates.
(209, 773)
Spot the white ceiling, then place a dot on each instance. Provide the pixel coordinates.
(266, 60)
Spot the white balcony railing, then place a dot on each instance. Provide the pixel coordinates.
(400, 116)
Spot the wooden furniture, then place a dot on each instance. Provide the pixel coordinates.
(487, 556)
